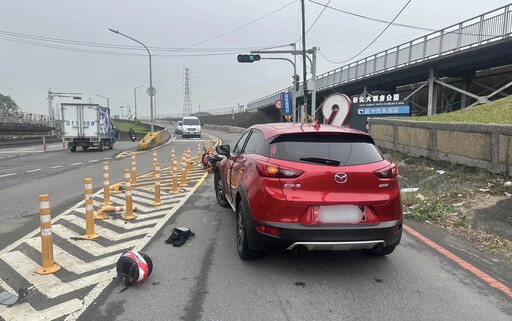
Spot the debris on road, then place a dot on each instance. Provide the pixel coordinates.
(179, 236)
(9, 299)
(409, 190)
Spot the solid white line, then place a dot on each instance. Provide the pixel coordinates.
(50, 285)
(107, 158)
(5, 175)
(58, 166)
(92, 161)
(26, 312)
(34, 170)
(76, 164)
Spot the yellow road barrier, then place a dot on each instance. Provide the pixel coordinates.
(128, 196)
(89, 212)
(184, 170)
(157, 201)
(174, 175)
(134, 170)
(48, 265)
(116, 209)
(106, 185)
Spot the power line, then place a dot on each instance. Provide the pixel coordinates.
(318, 17)
(372, 19)
(21, 91)
(241, 27)
(371, 43)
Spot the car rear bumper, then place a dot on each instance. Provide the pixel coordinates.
(313, 237)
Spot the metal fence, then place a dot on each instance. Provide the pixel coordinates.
(488, 27)
(24, 119)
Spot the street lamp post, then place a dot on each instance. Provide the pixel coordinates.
(135, 98)
(107, 98)
(151, 89)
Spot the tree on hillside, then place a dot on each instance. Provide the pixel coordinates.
(8, 105)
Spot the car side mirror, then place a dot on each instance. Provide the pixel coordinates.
(223, 150)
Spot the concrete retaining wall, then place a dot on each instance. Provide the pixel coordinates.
(486, 146)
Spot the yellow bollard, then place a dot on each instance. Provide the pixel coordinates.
(199, 153)
(116, 188)
(128, 196)
(172, 153)
(106, 185)
(89, 212)
(49, 265)
(157, 201)
(174, 175)
(44, 144)
(117, 209)
(188, 160)
(184, 170)
(134, 170)
(154, 159)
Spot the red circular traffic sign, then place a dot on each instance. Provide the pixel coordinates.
(278, 104)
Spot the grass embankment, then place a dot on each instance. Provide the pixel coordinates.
(496, 112)
(125, 127)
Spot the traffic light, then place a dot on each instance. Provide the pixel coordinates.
(248, 58)
(296, 82)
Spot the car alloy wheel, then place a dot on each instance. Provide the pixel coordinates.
(219, 190)
(244, 252)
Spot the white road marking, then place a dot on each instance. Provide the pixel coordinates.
(5, 175)
(34, 170)
(50, 285)
(57, 166)
(105, 232)
(92, 161)
(107, 158)
(71, 262)
(76, 164)
(24, 311)
(92, 247)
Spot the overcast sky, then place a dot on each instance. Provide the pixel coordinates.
(204, 36)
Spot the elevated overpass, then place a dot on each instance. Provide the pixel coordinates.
(459, 66)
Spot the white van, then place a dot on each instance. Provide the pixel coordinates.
(191, 126)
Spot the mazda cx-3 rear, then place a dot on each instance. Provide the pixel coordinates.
(309, 187)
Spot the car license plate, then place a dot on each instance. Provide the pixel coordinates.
(340, 214)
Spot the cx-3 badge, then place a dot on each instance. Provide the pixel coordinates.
(340, 178)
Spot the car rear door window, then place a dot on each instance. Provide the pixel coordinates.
(255, 143)
(326, 149)
(241, 143)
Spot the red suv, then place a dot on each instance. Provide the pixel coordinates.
(309, 187)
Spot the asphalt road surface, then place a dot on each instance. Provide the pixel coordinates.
(205, 280)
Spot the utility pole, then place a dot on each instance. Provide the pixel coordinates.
(187, 104)
(304, 71)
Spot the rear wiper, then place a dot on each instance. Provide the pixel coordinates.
(319, 160)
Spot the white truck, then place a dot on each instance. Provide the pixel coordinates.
(87, 125)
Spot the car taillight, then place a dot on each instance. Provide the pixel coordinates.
(390, 171)
(268, 229)
(271, 170)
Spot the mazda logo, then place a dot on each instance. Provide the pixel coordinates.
(340, 178)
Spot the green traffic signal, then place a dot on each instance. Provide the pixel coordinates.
(248, 58)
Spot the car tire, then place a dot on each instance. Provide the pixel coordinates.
(219, 190)
(73, 148)
(382, 250)
(244, 252)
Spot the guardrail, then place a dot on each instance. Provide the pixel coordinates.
(488, 27)
(26, 119)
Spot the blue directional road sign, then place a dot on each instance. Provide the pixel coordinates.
(286, 99)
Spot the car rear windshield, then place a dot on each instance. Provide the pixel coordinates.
(191, 121)
(326, 149)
